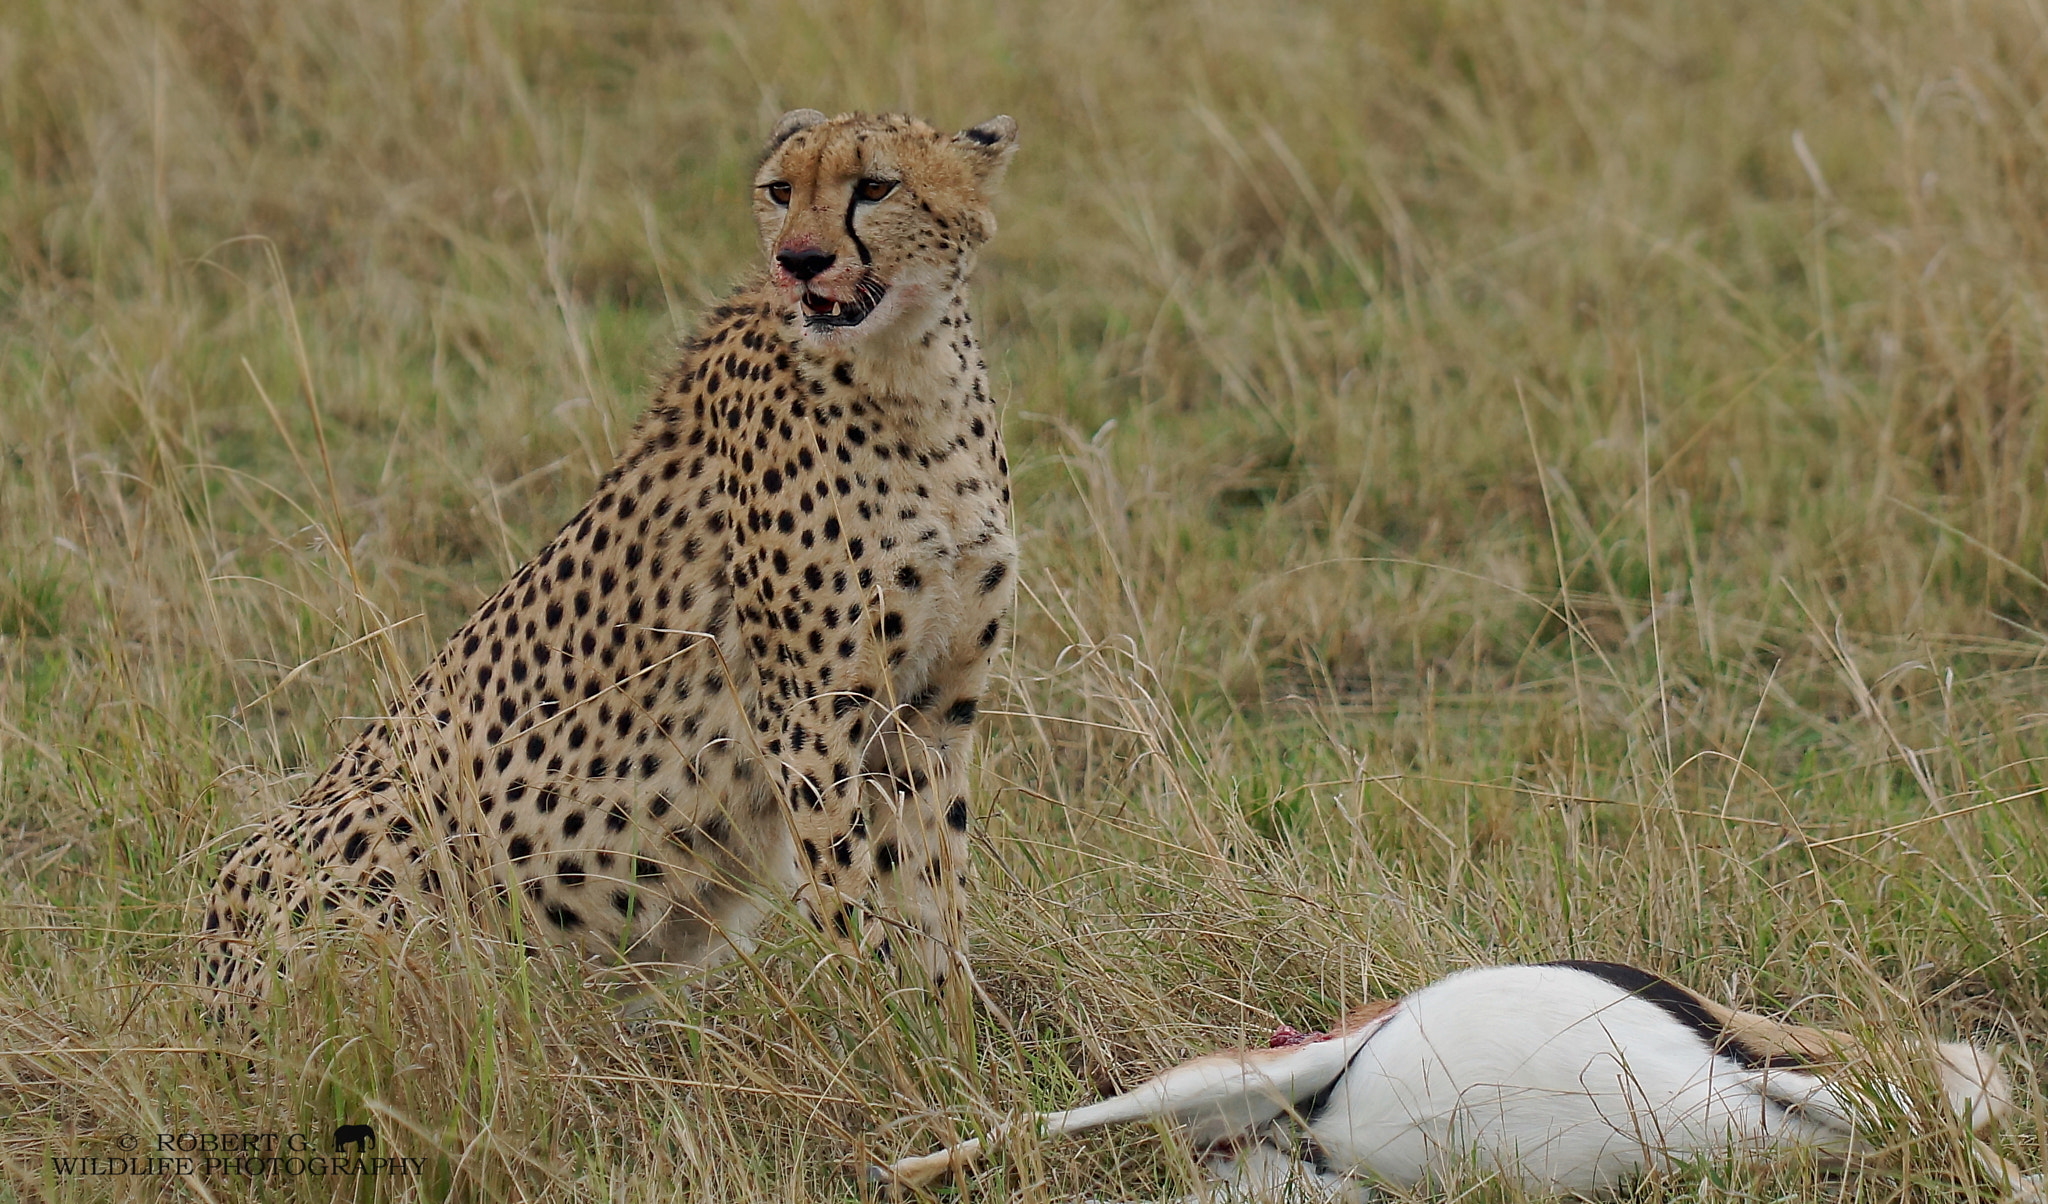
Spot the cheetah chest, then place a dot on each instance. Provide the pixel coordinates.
(919, 547)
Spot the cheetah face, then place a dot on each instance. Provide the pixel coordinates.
(870, 224)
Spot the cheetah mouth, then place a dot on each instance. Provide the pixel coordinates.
(821, 312)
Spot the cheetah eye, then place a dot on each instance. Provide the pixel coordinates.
(873, 190)
(778, 192)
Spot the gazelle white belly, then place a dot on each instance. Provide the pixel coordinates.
(1560, 1081)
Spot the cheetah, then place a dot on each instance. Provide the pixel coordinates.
(748, 671)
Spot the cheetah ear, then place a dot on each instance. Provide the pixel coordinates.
(988, 147)
(792, 122)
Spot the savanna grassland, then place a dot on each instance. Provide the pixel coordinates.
(1497, 481)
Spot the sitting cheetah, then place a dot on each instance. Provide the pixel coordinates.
(749, 667)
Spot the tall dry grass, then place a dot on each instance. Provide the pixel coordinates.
(1498, 481)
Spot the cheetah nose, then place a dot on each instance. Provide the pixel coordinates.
(803, 265)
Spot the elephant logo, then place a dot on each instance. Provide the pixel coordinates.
(357, 1136)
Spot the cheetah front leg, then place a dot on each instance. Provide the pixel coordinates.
(920, 762)
(876, 787)
(896, 829)
(810, 728)
(920, 840)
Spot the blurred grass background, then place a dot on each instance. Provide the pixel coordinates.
(1498, 481)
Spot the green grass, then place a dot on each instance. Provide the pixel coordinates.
(1497, 481)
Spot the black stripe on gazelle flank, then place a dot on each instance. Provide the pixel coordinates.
(1686, 1008)
(1306, 1110)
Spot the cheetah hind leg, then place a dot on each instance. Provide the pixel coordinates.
(682, 950)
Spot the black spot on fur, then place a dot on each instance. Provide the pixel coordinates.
(805, 794)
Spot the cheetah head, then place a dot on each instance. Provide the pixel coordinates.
(870, 223)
